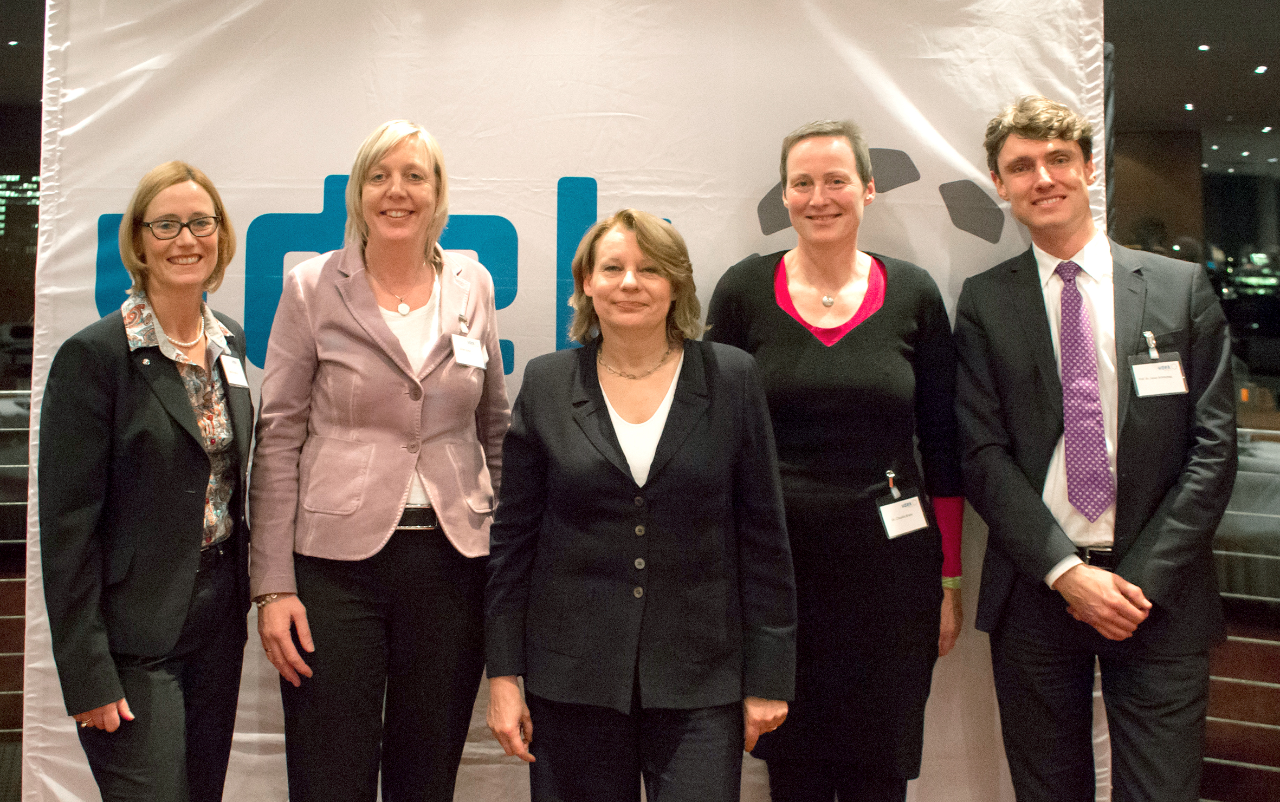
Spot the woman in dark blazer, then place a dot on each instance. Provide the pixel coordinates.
(639, 577)
(144, 440)
(858, 366)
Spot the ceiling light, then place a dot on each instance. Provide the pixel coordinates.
(1203, 48)
(1266, 129)
(1190, 107)
(1272, 160)
(1261, 68)
(1244, 153)
(1231, 169)
(13, 42)
(1204, 165)
(1213, 147)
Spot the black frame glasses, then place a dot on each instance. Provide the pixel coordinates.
(171, 229)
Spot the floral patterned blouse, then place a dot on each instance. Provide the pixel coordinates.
(208, 398)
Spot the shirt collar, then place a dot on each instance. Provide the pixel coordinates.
(143, 330)
(1094, 260)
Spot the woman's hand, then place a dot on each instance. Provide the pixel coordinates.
(509, 718)
(107, 717)
(952, 620)
(276, 621)
(760, 716)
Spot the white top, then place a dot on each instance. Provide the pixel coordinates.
(639, 441)
(1097, 288)
(417, 332)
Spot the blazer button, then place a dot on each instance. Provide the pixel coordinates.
(640, 529)
(640, 563)
(639, 501)
(413, 448)
(638, 592)
(415, 393)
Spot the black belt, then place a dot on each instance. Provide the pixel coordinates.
(418, 519)
(212, 553)
(1099, 557)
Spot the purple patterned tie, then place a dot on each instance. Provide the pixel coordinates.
(1090, 486)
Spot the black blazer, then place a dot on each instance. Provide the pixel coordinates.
(684, 583)
(122, 481)
(1175, 457)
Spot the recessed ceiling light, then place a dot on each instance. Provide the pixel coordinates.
(1231, 169)
(1244, 153)
(1261, 68)
(1190, 107)
(1204, 165)
(1213, 147)
(1203, 48)
(1272, 160)
(1266, 129)
(13, 42)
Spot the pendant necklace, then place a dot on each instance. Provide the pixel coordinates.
(403, 308)
(828, 301)
(634, 376)
(181, 344)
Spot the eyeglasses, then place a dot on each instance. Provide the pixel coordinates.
(170, 229)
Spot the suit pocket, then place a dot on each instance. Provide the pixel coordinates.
(333, 474)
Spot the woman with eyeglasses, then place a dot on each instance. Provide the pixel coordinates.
(144, 440)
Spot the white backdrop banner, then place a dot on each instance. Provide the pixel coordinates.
(550, 115)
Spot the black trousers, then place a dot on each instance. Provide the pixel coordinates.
(829, 781)
(184, 703)
(587, 753)
(1043, 662)
(400, 632)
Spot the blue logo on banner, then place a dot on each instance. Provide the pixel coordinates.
(271, 236)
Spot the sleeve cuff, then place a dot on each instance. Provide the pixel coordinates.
(1068, 562)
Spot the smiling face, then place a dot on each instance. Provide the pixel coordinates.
(1046, 182)
(628, 291)
(398, 197)
(824, 196)
(182, 264)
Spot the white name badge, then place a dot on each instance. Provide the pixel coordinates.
(1161, 376)
(903, 517)
(233, 371)
(469, 352)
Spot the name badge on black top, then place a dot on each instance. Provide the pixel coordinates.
(901, 513)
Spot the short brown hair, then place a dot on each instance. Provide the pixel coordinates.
(1036, 117)
(152, 184)
(375, 146)
(659, 241)
(844, 128)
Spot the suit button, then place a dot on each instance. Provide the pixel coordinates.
(640, 529)
(640, 563)
(638, 592)
(415, 393)
(639, 501)
(413, 448)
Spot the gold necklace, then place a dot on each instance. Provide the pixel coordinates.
(633, 376)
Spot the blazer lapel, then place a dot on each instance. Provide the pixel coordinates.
(1026, 303)
(162, 374)
(240, 404)
(363, 306)
(591, 414)
(1130, 298)
(687, 407)
(456, 316)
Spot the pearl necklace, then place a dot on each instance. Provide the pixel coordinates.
(198, 338)
(634, 376)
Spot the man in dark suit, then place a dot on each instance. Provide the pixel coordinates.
(1096, 405)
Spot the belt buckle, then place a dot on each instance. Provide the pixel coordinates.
(1104, 558)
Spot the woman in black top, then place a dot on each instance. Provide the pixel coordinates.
(857, 361)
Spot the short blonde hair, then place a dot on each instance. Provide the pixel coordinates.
(659, 241)
(375, 146)
(153, 183)
(1036, 117)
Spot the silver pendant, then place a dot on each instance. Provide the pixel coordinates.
(828, 301)
(403, 308)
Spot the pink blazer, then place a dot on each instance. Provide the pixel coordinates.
(345, 422)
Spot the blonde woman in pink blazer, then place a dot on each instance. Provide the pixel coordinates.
(378, 455)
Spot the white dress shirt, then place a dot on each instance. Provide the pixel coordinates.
(1097, 287)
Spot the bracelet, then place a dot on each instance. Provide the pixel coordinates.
(265, 599)
(951, 582)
